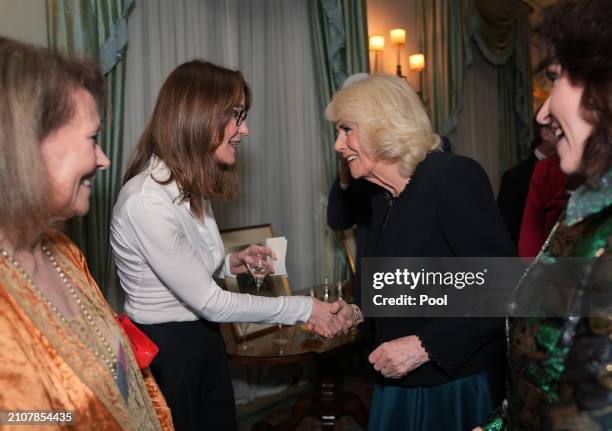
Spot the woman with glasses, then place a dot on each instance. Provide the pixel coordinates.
(168, 248)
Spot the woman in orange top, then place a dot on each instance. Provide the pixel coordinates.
(61, 351)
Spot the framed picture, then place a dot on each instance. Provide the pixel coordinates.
(240, 238)
(274, 285)
(349, 241)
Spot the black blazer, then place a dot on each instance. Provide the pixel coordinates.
(346, 208)
(512, 195)
(447, 209)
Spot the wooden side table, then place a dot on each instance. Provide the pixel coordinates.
(327, 401)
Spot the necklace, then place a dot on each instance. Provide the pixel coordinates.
(388, 196)
(106, 355)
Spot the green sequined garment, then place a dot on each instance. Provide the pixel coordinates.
(561, 368)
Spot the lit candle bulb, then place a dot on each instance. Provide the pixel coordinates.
(398, 36)
(377, 42)
(417, 62)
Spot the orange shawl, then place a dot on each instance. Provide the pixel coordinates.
(45, 366)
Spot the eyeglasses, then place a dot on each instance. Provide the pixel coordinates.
(240, 115)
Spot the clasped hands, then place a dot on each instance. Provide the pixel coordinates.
(326, 319)
(329, 319)
(393, 359)
(396, 358)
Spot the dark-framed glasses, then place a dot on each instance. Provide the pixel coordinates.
(240, 115)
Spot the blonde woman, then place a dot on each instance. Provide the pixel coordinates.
(435, 373)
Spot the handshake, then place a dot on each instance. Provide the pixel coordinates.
(329, 319)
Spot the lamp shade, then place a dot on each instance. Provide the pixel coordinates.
(398, 36)
(417, 62)
(377, 42)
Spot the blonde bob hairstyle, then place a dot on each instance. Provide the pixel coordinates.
(390, 118)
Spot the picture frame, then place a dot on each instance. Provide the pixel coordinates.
(274, 285)
(349, 241)
(240, 238)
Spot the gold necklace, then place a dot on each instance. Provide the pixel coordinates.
(106, 355)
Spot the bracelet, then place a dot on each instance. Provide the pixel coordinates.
(357, 314)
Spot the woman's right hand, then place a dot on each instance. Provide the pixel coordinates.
(240, 260)
(328, 319)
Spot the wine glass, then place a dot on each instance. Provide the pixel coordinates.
(311, 335)
(279, 338)
(243, 332)
(258, 269)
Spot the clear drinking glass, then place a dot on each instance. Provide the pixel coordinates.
(280, 339)
(259, 268)
(243, 332)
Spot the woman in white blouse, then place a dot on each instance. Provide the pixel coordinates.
(167, 245)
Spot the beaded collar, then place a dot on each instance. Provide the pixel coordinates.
(588, 200)
(106, 355)
(68, 338)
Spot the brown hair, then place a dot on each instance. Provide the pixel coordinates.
(188, 123)
(36, 94)
(577, 34)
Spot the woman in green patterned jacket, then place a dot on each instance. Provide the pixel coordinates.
(560, 338)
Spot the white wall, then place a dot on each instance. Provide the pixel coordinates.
(25, 20)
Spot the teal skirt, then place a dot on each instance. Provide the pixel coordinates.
(459, 405)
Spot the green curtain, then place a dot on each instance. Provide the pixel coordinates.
(500, 29)
(340, 42)
(496, 30)
(523, 101)
(446, 27)
(97, 29)
(503, 39)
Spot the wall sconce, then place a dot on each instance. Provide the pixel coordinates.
(377, 44)
(417, 62)
(398, 37)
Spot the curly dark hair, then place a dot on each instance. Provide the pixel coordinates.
(577, 35)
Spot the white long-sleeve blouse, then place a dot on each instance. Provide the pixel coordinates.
(166, 259)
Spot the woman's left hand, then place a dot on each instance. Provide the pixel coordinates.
(396, 358)
(239, 260)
